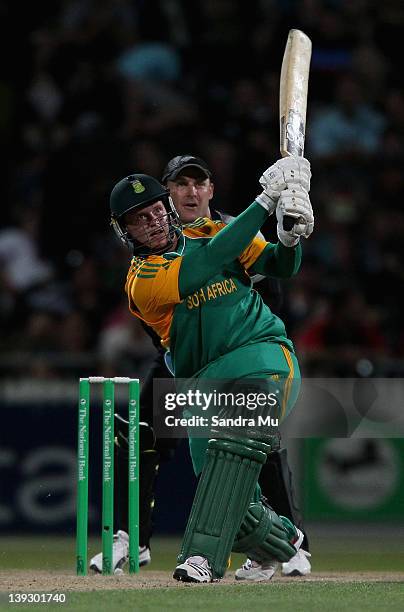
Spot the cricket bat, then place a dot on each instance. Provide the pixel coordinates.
(293, 99)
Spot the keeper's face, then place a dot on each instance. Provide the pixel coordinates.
(191, 194)
(149, 226)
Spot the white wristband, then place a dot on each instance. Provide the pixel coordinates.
(266, 202)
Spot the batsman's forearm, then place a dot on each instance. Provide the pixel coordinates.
(233, 239)
(278, 261)
(198, 267)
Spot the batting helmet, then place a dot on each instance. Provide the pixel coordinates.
(137, 191)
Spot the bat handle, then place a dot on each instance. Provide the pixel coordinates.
(288, 223)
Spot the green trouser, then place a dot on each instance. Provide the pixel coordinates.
(227, 512)
(264, 360)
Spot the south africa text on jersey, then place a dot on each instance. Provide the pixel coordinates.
(211, 292)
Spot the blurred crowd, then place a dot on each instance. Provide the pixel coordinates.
(95, 89)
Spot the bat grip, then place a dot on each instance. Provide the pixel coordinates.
(288, 223)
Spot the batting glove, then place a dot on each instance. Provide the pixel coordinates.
(285, 172)
(294, 202)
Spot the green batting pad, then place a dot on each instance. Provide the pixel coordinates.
(263, 536)
(223, 495)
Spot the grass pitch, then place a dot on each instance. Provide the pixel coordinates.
(230, 598)
(364, 571)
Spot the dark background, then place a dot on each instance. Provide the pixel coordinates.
(93, 90)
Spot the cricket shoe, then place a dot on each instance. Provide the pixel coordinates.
(144, 556)
(256, 572)
(252, 570)
(194, 569)
(299, 565)
(120, 554)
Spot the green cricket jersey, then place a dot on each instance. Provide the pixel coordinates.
(200, 299)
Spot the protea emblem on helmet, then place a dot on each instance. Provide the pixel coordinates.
(138, 187)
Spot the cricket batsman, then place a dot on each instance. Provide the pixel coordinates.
(193, 286)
